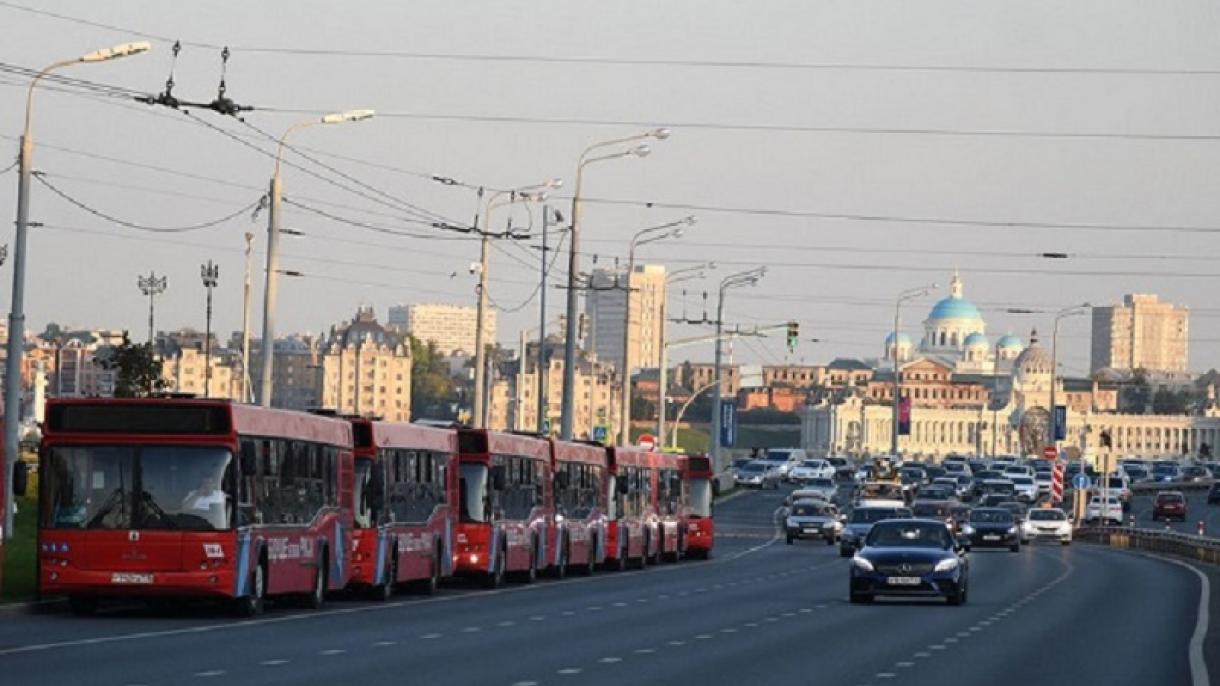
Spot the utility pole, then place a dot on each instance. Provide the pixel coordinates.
(210, 273)
(544, 368)
(152, 286)
(247, 381)
(746, 278)
(480, 326)
(904, 296)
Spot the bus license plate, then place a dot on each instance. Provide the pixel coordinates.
(902, 581)
(126, 578)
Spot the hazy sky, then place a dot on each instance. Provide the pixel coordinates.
(775, 154)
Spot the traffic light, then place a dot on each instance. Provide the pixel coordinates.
(794, 335)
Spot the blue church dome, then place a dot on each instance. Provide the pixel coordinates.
(1009, 341)
(955, 308)
(903, 339)
(976, 338)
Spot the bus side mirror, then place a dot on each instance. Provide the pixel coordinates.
(21, 477)
(498, 478)
(249, 465)
(623, 487)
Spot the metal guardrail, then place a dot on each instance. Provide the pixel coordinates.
(1154, 486)
(1189, 546)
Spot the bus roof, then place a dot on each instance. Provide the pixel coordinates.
(482, 441)
(403, 435)
(566, 451)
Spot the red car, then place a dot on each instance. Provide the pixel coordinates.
(1169, 505)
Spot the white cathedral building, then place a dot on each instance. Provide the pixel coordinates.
(955, 348)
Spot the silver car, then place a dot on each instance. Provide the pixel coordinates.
(813, 519)
(757, 474)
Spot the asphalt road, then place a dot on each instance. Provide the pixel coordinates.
(759, 611)
(1197, 510)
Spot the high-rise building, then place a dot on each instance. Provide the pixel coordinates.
(450, 327)
(604, 304)
(1141, 333)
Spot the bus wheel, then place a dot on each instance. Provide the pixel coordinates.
(385, 591)
(317, 597)
(495, 578)
(82, 605)
(621, 562)
(433, 582)
(252, 604)
(531, 574)
(591, 564)
(561, 569)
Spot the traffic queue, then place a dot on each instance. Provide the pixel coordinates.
(180, 498)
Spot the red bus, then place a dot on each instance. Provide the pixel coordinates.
(506, 505)
(669, 505)
(631, 529)
(580, 506)
(697, 478)
(172, 497)
(406, 495)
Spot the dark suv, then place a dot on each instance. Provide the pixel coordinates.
(1169, 505)
(1213, 496)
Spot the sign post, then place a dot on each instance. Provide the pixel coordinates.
(728, 422)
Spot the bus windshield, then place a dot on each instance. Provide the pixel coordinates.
(474, 492)
(701, 497)
(187, 488)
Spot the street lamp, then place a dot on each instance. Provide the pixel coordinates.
(651, 234)
(273, 245)
(909, 294)
(676, 276)
(210, 273)
(569, 350)
(152, 286)
(534, 193)
(16, 317)
(738, 280)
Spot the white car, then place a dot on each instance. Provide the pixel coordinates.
(1112, 514)
(784, 459)
(1025, 487)
(1047, 523)
(1044, 479)
(1018, 470)
(957, 469)
(810, 470)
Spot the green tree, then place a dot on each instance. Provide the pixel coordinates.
(433, 391)
(137, 371)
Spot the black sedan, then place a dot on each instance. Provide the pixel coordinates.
(910, 557)
(992, 527)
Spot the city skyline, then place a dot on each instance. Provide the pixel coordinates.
(865, 195)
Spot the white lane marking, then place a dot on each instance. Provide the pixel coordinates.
(471, 630)
(359, 609)
(805, 610)
(1198, 666)
(641, 601)
(594, 608)
(429, 637)
(645, 651)
(210, 673)
(567, 613)
(885, 675)
(752, 625)
(703, 637)
(332, 651)
(507, 622)
(921, 655)
(936, 647)
(384, 644)
(525, 683)
(771, 541)
(963, 634)
(951, 640)
(538, 618)
(904, 665)
(677, 643)
(273, 663)
(610, 660)
(619, 604)
(728, 630)
(568, 671)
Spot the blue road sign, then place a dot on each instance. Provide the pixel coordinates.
(599, 434)
(1060, 422)
(1081, 481)
(728, 422)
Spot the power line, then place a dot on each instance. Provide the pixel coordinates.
(628, 61)
(141, 227)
